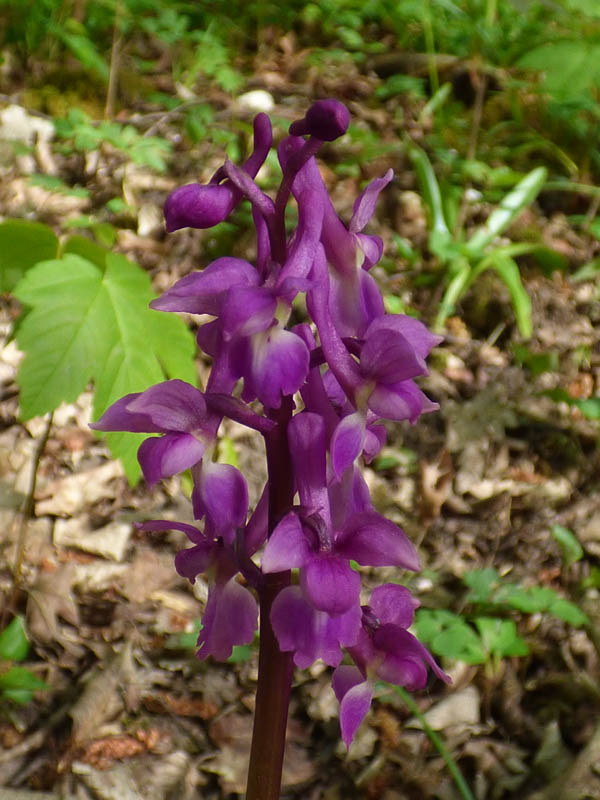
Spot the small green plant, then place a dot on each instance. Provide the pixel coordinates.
(77, 130)
(16, 683)
(486, 636)
(464, 262)
(86, 317)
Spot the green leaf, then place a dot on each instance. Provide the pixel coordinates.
(500, 637)
(240, 654)
(482, 583)
(22, 245)
(20, 696)
(87, 323)
(82, 246)
(429, 622)
(590, 408)
(589, 7)
(460, 642)
(14, 645)
(534, 599)
(85, 51)
(447, 634)
(66, 334)
(439, 233)
(568, 612)
(572, 550)
(511, 206)
(508, 270)
(570, 67)
(21, 678)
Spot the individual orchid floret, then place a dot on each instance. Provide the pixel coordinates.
(306, 539)
(198, 205)
(231, 613)
(173, 408)
(309, 633)
(386, 651)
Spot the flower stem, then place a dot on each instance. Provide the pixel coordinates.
(274, 667)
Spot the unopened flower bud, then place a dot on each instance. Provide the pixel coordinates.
(325, 119)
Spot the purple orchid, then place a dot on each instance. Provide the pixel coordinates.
(325, 387)
(385, 650)
(173, 408)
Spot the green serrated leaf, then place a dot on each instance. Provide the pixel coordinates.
(65, 335)
(22, 245)
(572, 550)
(82, 246)
(14, 645)
(86, 324)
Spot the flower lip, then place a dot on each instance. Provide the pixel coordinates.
(325, 119)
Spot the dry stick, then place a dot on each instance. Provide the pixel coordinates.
(26, 514)
(115, 57)
(481, 85)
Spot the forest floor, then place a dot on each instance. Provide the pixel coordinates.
(130, 712)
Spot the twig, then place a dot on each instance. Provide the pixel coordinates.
(480, 79)
(115, 58)
(26, 514)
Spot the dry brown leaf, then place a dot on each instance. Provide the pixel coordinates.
(74, 493)
(110, 541)
(107, 692)
(50, 599)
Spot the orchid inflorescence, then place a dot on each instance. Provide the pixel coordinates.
(325, 387)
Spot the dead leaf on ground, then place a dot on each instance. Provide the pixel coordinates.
(68, 496)
(110, 541)
(107, 692)
(51, 599)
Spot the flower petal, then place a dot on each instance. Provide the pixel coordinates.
(230, 619)
(392, 603)
(388, 357)
(161, 457)
(405, 658)
(279, 366)
(248, 310)
(364, 205)
(172, 406)
(347, 442)
(309, 633)
(118, 417)
(306, 437)
(194, 561)
(221, 494)
(288, 546)
(403, 400)
(191, 531)
(203, 292)
(374, 541)
(355, 700)
(419, 336)
(330, 584)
